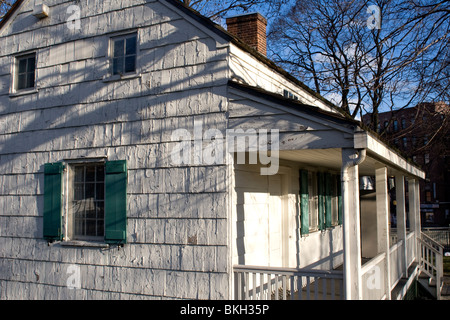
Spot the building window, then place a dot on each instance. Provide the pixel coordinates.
(405, 142)
(94, 208)
(426, 158)
(324, 201)
(289, 95)
(87, 202)
(395, 125)
(403, 123)
(124, 54)
(428, 196)
(25, 70)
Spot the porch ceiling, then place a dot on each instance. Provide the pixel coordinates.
(332, 159)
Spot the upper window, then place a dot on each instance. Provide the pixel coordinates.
(289, 95)
(124, 53)
(25, 72)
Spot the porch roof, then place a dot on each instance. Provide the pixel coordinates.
(320, 148)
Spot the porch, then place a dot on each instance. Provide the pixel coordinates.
(273, 283)
(367, 259)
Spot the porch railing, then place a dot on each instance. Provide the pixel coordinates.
(373, 275)
(439, 235)
(271, 283)
(431, 261)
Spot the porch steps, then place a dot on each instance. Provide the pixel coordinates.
(427, 284)
(399, 292)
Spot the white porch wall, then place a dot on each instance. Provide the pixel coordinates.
(252, 216)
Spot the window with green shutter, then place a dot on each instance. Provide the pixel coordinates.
(96, 201)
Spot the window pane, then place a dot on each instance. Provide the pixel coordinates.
(90, 209)
(100, 191)
(100, 227)
(100, 210)
(31, 64)
(30, 80)
(78, 192)
(22, 65)
(22, 81)
(100, 173)
(130, 64)
(90, 174)
(118, 48)
(117, 65)
(91, 228)
(90, 190)
(131, 45)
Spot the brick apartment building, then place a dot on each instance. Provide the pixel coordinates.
(421, 133)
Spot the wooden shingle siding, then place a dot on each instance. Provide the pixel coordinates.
(177, 234)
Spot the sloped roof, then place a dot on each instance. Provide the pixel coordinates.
(224, 34)
(295, 104)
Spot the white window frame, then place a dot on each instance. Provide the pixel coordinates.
(68, 218)
(14, 87)
(112, 40)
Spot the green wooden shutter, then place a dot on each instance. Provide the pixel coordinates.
(339, 195)
(328, 213)
(321, 196)
(116, 202)
(53, 173)
(304, 202)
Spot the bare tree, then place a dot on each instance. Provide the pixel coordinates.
(333, 47)
(218, 9)
(5, 5)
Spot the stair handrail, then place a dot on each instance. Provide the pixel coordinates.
(438, 249)
(436, 245)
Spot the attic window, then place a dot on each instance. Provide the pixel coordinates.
(25, 72)
(124, 53)
(289, 95)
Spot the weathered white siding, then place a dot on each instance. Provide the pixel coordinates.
(177, 215)
(249, 70)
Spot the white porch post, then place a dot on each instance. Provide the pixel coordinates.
(351, 223)
(383, 237)
(401, 218)
(414, 211)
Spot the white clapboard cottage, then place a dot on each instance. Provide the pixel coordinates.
(147, 153)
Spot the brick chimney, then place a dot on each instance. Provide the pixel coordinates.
(251, 29)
